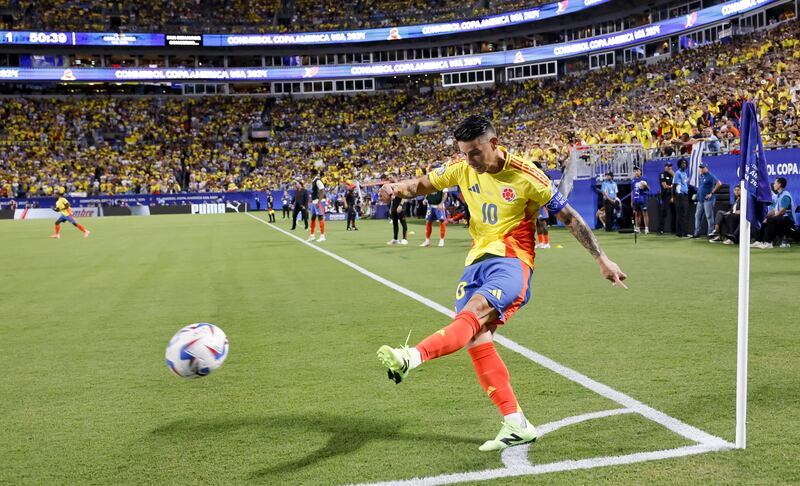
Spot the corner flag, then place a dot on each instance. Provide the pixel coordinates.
(753, 167)
(755, 198)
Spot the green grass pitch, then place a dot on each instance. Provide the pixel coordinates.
(85, 396)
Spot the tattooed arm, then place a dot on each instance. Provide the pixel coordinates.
(581, 231)
(406, 189)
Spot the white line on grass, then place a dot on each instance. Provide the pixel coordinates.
(706, 441)
(568, 465)
(518, 456)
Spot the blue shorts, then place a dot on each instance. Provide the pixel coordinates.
(63, 218)
(505, 282)
(434, 214)
(639, 205)
(318, 210)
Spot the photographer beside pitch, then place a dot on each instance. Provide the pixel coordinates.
(504, 194)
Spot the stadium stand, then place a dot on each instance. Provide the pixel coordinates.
(238, 16)
(113, 145)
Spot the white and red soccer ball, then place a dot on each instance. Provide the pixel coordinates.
(197, 350)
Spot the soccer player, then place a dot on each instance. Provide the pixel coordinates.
(436, 212)
(542, 233)
(270, 208)
(317, 206)
(639, 196)
(504, 194)
(62, 206)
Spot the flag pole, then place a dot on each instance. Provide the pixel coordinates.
(744, 305)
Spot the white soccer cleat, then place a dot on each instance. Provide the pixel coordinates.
(392, 242)
(510, 435)
(425, 243)
(441, 242)
(538, 245)
(55, 236)
(545, 245)
(321, 238)
(86, 233)
(311, 238)
(404, 241)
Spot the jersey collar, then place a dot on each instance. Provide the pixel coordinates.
(506, 156)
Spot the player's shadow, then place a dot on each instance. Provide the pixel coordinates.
(347, 434)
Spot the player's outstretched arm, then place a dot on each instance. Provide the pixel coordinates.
(581, 231)
(409, 188)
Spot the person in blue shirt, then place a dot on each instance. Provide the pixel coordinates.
(707, 186)
(779, 218)
(610, 200)
(639, 195)
(680, 188)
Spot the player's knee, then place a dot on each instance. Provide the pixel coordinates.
(480, 306)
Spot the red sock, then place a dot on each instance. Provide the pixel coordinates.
(450, 338)
(313, 225)
(428, 230)
(322, 227)
(493, 376)
(546, 238)
(80, 227)
(540, 238)
(58, 228)
(442, 229)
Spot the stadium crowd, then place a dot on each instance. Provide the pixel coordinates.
(113, 145)
(238, 16)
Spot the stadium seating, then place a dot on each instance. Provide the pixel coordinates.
(114, 145)
(238, 16)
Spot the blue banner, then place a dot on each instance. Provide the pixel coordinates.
(81, 38)
(504, 58)
(518, 17)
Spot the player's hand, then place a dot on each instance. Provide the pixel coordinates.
(708, 196)
(611, 272)
(387, 193)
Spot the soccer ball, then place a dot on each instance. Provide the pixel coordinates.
(197, 350)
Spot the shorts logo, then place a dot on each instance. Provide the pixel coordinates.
(509, 194)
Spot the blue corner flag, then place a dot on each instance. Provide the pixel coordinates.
(753, 167)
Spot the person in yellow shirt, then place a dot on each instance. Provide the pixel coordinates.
(62, 206)
(504, 195)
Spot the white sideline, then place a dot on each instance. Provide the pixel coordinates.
(706, 442)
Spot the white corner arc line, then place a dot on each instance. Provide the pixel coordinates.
(518, 456)
(568, 465)
(683, 429)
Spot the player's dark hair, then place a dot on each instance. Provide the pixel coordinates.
(782, 182)
(473, 127)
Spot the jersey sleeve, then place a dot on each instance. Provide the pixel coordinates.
(447, 175)
(320, 185)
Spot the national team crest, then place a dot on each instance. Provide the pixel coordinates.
(509, 194)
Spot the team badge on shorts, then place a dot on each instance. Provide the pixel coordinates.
(509, 194)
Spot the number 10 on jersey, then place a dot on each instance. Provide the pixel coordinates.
(489, 213)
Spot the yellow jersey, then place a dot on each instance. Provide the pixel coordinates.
(503, 206)
(62, 206)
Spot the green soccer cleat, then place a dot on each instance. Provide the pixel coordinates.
(510, 435)
(396, 360)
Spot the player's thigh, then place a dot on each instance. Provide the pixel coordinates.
(506, 286)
